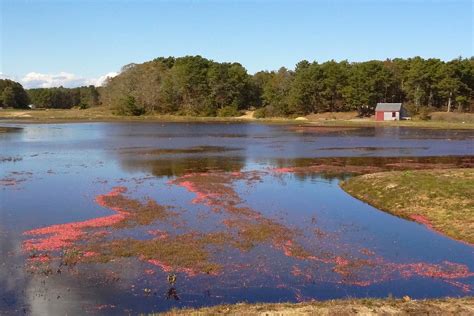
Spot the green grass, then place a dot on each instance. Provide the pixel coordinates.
(441, 199)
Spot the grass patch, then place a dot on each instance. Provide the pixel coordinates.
(456, 117)
(192, 252)
(140, 213)
(187, 252)
(441, 199)
(262, 230)
(4, 129)
(367, 306)
(340, 167)
(104, 114)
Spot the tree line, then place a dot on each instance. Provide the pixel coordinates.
(189, 85)
(65, 98)
(13, 95)
(193, 85)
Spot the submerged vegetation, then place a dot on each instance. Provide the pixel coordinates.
(177, 151)
(440, 199)
(340, 167)
(137, 212)
(5, 129)
(188, 253)
(181, 248)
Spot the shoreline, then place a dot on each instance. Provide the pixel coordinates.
(388, 191)
(103, 115)
(364, 306)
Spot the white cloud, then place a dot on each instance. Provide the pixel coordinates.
(101, 80)
(65, 79)
(4, 76)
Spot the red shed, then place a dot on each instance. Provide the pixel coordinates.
(388, 112)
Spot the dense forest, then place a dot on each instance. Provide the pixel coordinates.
(64, 98)
(189, 85)
(12, 94)
(194, 85)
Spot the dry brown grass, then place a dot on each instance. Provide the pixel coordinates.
(447, 306)
(333, 116)
(187, 252)
(341, 119)
(4, 129)
(456, 117)
(104, 114)
(334, 166)
(140, 213)
(47, 115)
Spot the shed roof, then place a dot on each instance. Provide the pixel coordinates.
(388, 107)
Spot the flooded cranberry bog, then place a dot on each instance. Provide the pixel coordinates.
(97, 217)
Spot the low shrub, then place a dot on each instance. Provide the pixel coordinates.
(424, 114)
(128, 107)
(228, 111)
(259, 113)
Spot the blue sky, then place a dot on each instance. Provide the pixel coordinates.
(80, 41)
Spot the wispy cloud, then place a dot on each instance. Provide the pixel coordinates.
(65, 79)
(101, 80)
(5, 76)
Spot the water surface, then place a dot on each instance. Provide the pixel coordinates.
(53, 173)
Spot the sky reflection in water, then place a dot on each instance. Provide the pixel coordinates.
(60, 169)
